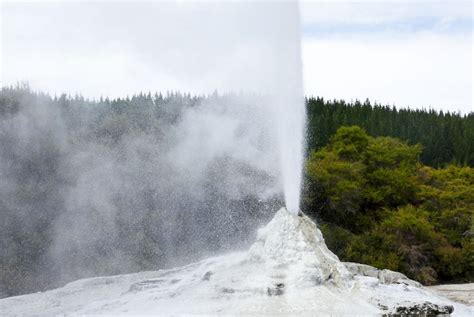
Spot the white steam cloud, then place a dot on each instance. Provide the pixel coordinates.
(163, 182)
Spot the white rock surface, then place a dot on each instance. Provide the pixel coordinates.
(288, 271)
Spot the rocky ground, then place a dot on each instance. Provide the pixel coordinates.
(463, 293)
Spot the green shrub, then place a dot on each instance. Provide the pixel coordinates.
(380, 206)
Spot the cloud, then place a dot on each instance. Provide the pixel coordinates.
(416, 54)
(373, 13)
(418, 70)
(123, 47)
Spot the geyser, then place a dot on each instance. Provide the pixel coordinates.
(291, 118)
(291, 146)
(153, 180)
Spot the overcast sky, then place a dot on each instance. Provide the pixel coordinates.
(399, 52)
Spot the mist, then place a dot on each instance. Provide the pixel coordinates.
(130, 181)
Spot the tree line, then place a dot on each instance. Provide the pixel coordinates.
(446, 137)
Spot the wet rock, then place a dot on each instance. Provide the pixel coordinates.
(362, 269)
(207, 276)
(384, 276)
(228, 290)
(425, 309)
(277, 290)
(391, 277)
(146, 285)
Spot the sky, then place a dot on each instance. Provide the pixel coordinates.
(409, 54)
(403, 53)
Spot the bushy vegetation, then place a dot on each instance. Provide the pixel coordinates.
(377, 204)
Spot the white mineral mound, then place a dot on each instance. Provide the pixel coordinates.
(288, 271)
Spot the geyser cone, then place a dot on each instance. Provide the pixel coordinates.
(293, 241)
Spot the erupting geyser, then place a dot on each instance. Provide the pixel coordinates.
(291, 120)
(291, 144)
